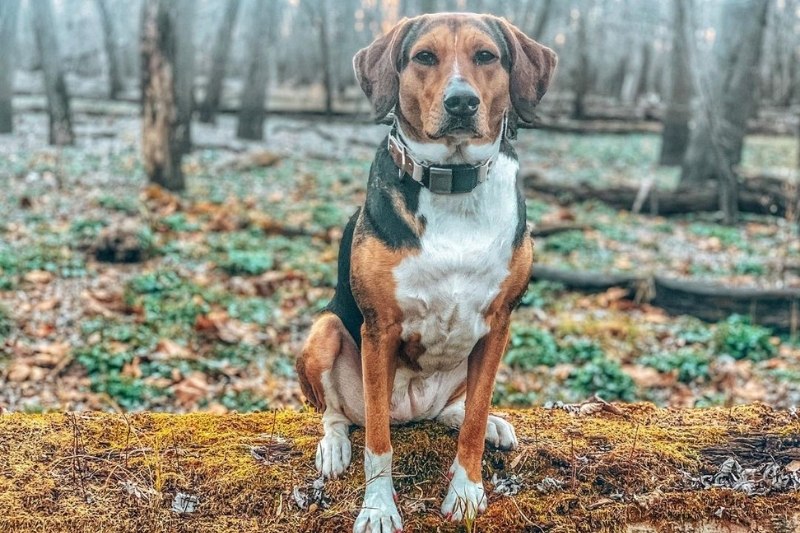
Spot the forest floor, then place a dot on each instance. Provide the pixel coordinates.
(228, 276)
(628, 467)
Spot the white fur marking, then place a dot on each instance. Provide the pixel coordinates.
(333, 451)
(445, 289)
(471, 154)
(499, 432)
(456, 72)
(465, 498)
(379, 512)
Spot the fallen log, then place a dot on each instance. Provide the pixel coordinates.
(765, 195)
(776, 308)
(580, 468)
(586, 281)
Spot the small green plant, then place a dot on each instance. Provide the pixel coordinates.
(750, 267)
(729, 236)
(690, 364)
(531, 347)
(328, 215)
(247, 262)
(567, 242)
(177, 222)
(740, 339)
(579, 350)
(539, 293)
(119, 203)
(255, 310)
(154, 282)
(6, 324)
(505, 395)
(604, 377)
(245, 401)
(84, 229)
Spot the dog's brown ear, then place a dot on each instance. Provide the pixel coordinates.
(377, 69)
(532, 68)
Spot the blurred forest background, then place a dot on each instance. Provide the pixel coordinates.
(176, 174)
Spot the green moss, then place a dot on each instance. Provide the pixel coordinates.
(64, 472)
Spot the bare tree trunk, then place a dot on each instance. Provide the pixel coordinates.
(57, 95)
(580, 73)
(182, 14)
(542, 18)
(9, 10)
(322, 20)
(727, 98)
(222, 45)
(675, 137)
(110, 42)
(251, 110)
(162, 149)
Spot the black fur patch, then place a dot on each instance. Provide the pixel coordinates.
(343, 304)
(380, 217)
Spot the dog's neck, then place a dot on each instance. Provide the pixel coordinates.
(451, 153)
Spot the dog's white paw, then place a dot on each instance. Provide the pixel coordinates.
(379, 513)
(465, 498)
(500, 433)
(333, 455)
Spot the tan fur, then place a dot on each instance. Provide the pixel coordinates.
(327, 339)
(422, 87)
(372, 263)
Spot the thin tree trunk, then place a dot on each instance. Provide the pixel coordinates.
(252, 111)
(542, 18)
(162, 149)
(9, 10)
(324, 48)
(182, 13)
(55, 86)
(580, 74)
(675, 137)
(727, 99)
(112, 56)
(208, 108)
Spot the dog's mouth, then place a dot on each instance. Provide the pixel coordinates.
(454, 127)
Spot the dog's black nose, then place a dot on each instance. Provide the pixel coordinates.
(460, 99)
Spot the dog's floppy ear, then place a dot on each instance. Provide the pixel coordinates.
(378, 71)
(532, 68)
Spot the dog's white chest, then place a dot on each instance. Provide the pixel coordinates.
(446, 288)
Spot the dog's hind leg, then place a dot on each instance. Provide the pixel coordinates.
(329, 370)
(499, 432)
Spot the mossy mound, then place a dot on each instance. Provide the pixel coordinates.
(639, 468)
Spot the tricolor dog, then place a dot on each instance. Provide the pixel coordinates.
(432, 265)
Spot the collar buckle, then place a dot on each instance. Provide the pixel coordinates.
(440, 180)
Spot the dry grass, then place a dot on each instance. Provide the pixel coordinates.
(109, 472)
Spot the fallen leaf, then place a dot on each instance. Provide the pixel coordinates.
(39, 277)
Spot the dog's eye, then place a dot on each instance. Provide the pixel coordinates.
(425, 58)
(484, 56)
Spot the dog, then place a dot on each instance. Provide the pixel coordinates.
(432, 265)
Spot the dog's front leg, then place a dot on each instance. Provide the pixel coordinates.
(378, 358)
(465, 496)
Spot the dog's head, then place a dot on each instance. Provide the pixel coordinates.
(450, 77)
